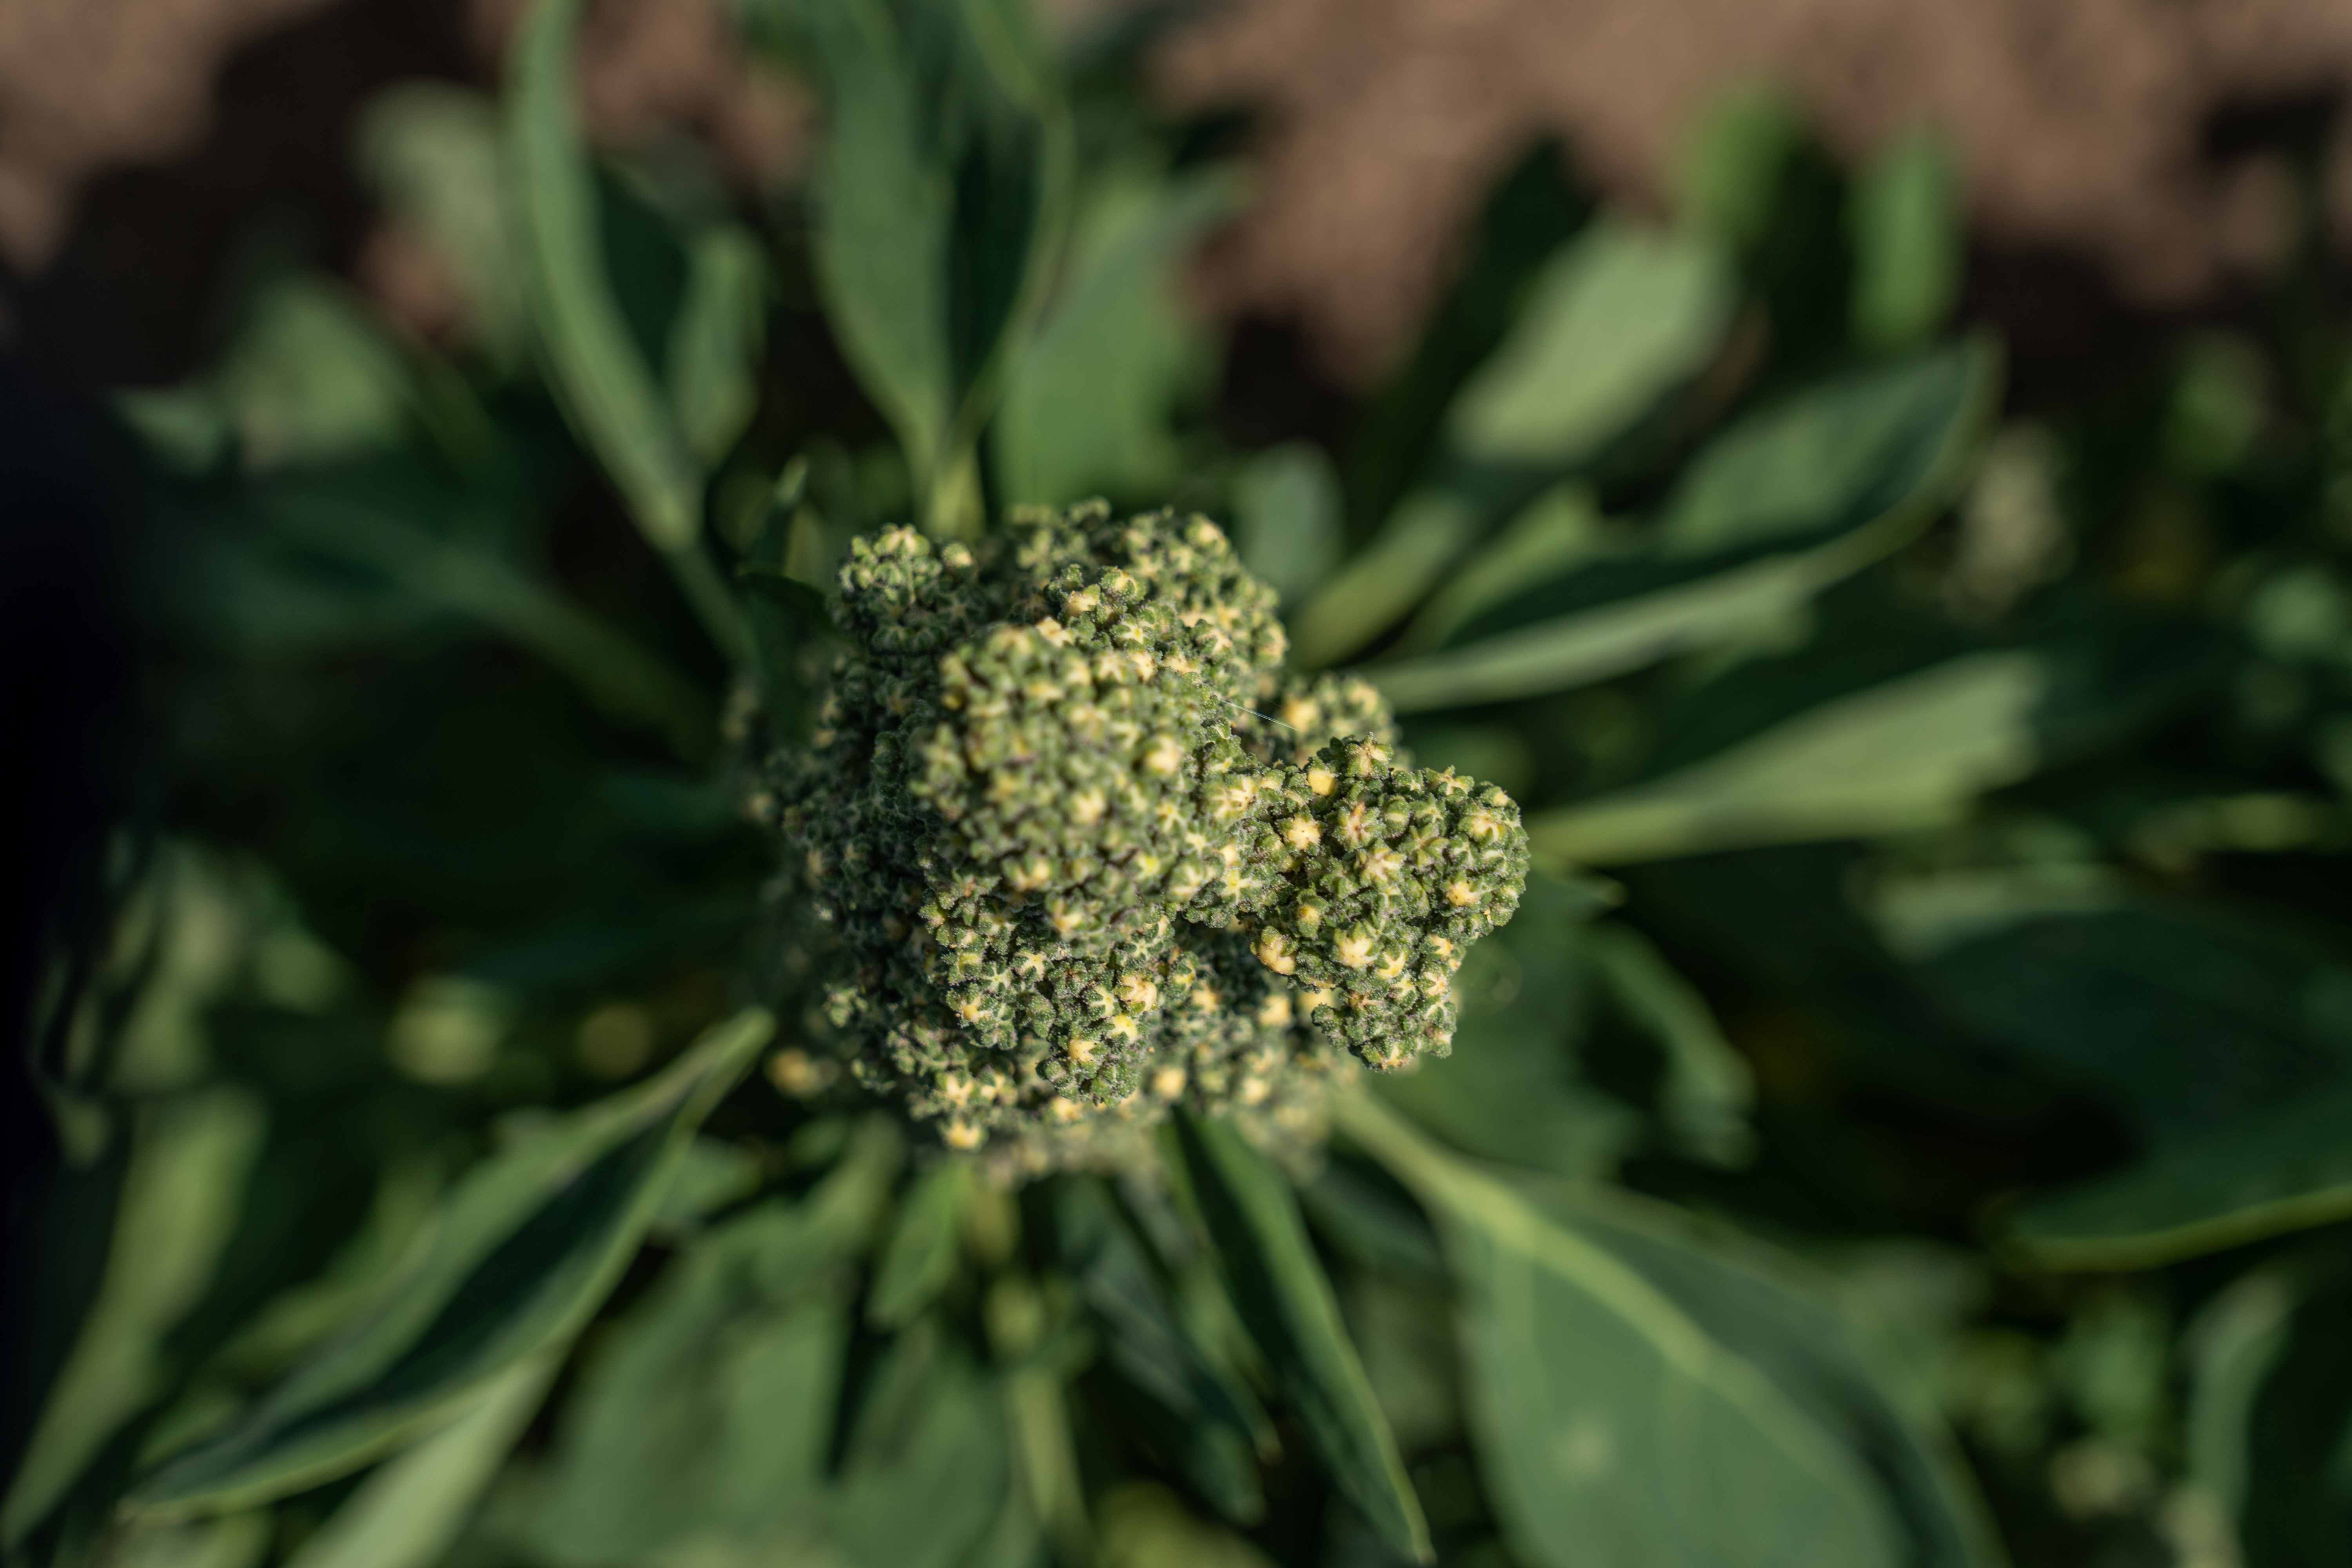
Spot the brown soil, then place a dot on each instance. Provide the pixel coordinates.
(2084, 128)
(140, 139)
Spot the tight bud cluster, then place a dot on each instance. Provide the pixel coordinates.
(1090, 852)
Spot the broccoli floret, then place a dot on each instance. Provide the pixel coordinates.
(1090, 851)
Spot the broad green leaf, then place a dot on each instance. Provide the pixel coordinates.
(310, 377)
(1287, 1303)
(233, 1541)
(920, 1258)
(927, 1469)
(1906, 222)
(716, 339)
(1612, 1425)
(1211, 1425)
(430, 153)
(2285, 1169)
(1289, 518)
(1787, 501)
(411, 1512)
(521, 1253)
(939, 197)
(606, 388)
(1618, 318)
(350, 525)
(1908, 752)
(1888, 442)
(1559, 529)
(712, 1174)
(1760, 1307)
(706, 1414)
(1089, 395)
(177, 1207)
(2188, 1018)
(2270, 1413)
(1427, 533)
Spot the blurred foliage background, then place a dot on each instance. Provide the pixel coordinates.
(1876, 485)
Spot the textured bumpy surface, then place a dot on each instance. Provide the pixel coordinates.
(1090, 852)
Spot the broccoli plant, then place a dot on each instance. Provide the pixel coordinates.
(722, 968)
(1090, 851)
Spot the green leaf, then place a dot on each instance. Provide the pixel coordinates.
(920, 1258)
(1731, 168)
(233, 1540)
(1560, 529)
(524, 1251)
(1906, 222)
(1425, 535)
(1908, 752)
(1289, 518)
(1787, 501)
(349, 521)
(716, 338)
(2270, 1412)
(926, 1469)
(1761, 1307)
(2285, 1169)
(607, 390)
(1611, 1425)
(177, 1208)
(412, 1510)
(430, 153)
(2188, 1018)
(1709, 1089)
(1288, 1304)
(1088, 395)
(1618, 318)
(312, 377)
(708, 1411)
(1208, 1423)
(939, 197)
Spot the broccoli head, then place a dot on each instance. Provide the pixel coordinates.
(1089, 851)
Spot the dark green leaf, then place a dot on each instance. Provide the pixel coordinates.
(2185, 1017)
(2270, 1413)
(920, 1258)
(1758, 1306)
(176, 1209)
(524, 1251)
(606, 387)
(1610, 1424)
(1211, 1425)
(708, 1412)
(2273, 1171)
(411, 1512)
(1787, 501)
(1560, 529)
(1709, 1089)
(927, 1470)
(1425, 535)
(939, 197)
(1287, 1303)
